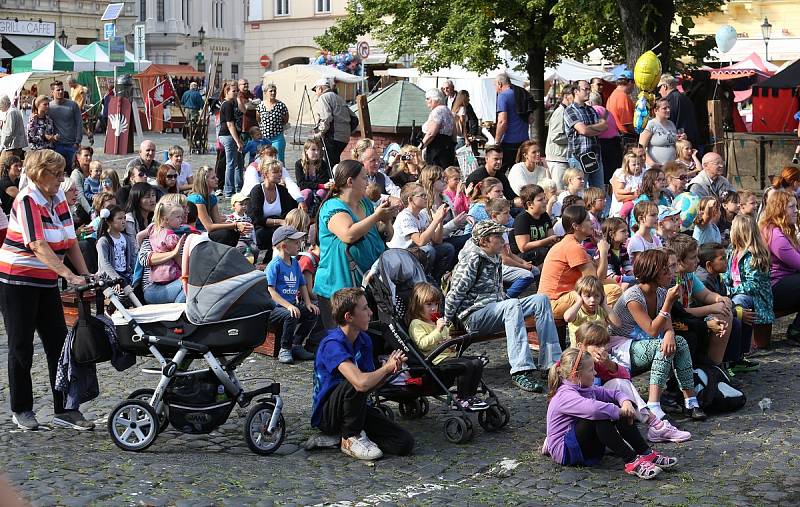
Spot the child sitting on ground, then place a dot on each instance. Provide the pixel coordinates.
(240, 203)
(256, 141)
(287, 287)
(116, 256)
(167, 217)
(575, 183)
(748, 203)
(344, 375)
(484, 191)
(550, 194)
(729, 201)
(312, 174)
(646, 214)
(428, 329)
(517, 272)
(109, 181)
(590, 306)
(99, 202)
(92, 184)
(626, 183)
(653, 184)
(705, 223)
(533, 228)
(687, 157)
(570, 200)
(669, 223)
(594, 337)
(584, 419)
(620, 267)
(455, 190)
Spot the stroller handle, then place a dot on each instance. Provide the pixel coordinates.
(98, 284)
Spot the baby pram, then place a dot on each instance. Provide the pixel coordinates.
(224, 319)
(388, 288)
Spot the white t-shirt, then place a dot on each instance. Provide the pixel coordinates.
(405, 225)
(185, 174)
(272, 209)
(120, 260)
(638, 244)
(631, 182)
(519, 176)
(560, 202)
(252, 177)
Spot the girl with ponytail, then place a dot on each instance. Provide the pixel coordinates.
(115, 251)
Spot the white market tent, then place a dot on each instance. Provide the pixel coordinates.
(572, 70)
(290, 82)
(11, 84)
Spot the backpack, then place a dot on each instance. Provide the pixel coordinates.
(714, 390)
(525, 103)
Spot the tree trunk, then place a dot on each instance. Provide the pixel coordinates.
(535, 68)
(645, 23)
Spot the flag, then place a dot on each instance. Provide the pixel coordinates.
(161, 93)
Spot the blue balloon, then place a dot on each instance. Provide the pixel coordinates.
(726, 38)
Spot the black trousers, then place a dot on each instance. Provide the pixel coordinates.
(622, 438)
(228, 237)
(509, 155)
(264, 240)
(784, 296)
(25, 310)
(466, 371)
(536, 256)
(334, 150)
(219, 166)
(346, 413)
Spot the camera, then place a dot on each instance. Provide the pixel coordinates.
(406, 156)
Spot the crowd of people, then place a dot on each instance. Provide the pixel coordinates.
(638, 247)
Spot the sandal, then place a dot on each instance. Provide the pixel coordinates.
(642, 468)
(661, 460)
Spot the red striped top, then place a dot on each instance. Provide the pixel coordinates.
(35, 218)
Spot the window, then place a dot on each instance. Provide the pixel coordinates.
(322, 6)
(142, 10)
(281, 7)
(159, 10)
(185, 12)
(234, 71)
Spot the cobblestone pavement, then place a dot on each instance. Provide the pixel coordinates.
(745, 458)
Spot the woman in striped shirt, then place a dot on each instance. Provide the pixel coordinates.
(40, 234)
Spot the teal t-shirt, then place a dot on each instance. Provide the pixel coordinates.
(333, 272)
(199, 199)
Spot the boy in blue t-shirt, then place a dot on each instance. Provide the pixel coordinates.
(285, 282)
(344, 375)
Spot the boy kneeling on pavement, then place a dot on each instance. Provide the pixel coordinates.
(344, 375)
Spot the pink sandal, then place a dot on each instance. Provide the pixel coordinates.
(661, 460)
(642, 467)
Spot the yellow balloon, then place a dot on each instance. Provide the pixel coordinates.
(647, 71)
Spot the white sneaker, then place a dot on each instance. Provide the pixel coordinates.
(361, 447)
(322, 440)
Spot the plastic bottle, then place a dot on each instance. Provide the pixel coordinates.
(248, 254)
(221, 396)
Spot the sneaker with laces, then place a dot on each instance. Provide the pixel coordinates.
(361, 447)
(526, 383)
(642, 468)
(663, 431)
(72, 419)
(476, 404)
(321, 440)
(285, 356)
(662, 461)
(301, 354)
(745, 365)
(25, 420)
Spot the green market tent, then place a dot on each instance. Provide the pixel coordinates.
(397, 108)
(53, 57)
(98, 52)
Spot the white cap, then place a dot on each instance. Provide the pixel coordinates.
(323, 81)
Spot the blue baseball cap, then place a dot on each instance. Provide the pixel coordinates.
(664, 212)
(626, 74)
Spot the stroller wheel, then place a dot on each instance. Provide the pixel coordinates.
(411, 409)
(133, 425)
(145, 395)
(458, 430)
(258, 438)
(425, 406)
(494, 418)
(386, 411)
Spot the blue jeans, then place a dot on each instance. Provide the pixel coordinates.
(157, 293)
(279, 143)
(292, 334)
(234, 176)
(510, 315)
(593, 179)
(519, 278)
(68, 152)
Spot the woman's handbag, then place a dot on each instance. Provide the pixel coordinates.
(90, 343)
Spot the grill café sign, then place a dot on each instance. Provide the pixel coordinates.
(11, 27)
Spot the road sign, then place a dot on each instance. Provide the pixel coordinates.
(265, 61)
(112, 12)
(109, 30)
(116, 49)
(138, 42)
(363, 49)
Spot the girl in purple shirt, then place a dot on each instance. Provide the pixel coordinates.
(584, 419)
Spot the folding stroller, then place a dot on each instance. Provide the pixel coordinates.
(388, 287)
(224, 319)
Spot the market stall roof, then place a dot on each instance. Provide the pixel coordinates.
(11, 84)
(161, 69)
(397, 107)
(54, 57)
(572, 70)
(751, 66)
(787, 78)
(98, 52)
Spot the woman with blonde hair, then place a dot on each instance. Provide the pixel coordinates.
(269, 204)
(778, 226)
(208, 215)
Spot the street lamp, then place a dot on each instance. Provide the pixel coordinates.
(62, 38)
(766, 31)
(201, 34)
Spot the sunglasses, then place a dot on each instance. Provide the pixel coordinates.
(172, 176)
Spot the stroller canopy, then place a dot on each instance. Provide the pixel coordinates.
(397, 273)
(222, 284)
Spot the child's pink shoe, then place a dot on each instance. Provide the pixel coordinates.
(661, 460)
(663, 431)
(642, 467)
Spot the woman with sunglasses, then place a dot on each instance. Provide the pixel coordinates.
(136, 174)
(272, 118)
(40, 235)
(676, 180)
(167, 179)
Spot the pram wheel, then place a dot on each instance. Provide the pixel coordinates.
(386, 411)
(458, 429)
(145, 395)
(133, 425)
(413, 409)
(494, 418)
(258, 438)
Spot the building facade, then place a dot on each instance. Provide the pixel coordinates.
(195, 32)
(27, 25)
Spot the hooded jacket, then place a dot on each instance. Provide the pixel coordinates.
(476, 282)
